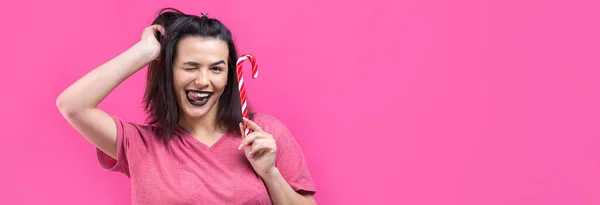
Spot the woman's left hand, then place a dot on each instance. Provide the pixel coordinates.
(260, 148)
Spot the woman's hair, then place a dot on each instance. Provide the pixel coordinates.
(160, 100)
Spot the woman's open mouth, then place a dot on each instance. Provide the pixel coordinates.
(198, 98)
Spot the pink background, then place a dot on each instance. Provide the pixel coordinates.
(394, 102)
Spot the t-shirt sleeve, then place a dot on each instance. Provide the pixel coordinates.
(290, 159)
(131, 147)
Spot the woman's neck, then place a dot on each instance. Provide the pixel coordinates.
(204, 127)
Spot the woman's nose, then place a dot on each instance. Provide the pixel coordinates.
(201, 79)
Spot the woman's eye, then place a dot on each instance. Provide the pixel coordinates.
(189, 68)
(216, 68)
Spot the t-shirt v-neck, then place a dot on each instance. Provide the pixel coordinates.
(188, 136)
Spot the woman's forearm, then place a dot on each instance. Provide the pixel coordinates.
(91, 89)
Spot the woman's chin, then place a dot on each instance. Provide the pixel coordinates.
(194, 111)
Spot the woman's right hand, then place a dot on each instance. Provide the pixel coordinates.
(149, 44)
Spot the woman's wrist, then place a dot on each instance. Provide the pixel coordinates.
(271, 174)
(145, 51)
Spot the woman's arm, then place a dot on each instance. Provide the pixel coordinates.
(78, 103)
(282, 193)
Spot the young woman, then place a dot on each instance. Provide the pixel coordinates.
(192, 151)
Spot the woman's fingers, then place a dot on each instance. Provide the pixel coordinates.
(259, 147)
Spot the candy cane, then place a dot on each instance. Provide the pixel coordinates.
(240, 77)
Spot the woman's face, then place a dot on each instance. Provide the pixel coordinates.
(200, 75)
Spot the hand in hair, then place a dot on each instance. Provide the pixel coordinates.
(150, 41)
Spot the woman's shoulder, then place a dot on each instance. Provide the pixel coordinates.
(271, 124)
(266, 120)
(126, 121)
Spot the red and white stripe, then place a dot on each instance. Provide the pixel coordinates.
(240, 77)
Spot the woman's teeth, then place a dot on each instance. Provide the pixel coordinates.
(201, 95)
(198, 98)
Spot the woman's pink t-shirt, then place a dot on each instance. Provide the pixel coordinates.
(185, 171)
